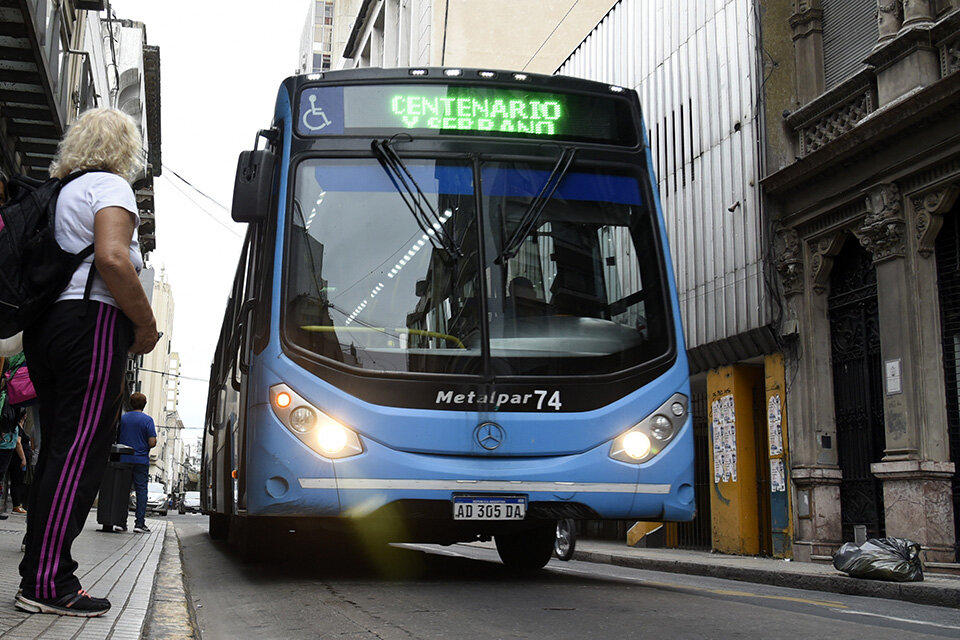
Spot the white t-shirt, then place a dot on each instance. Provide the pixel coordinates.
(77, 205)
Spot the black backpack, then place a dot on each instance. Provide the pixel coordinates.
(34, 270)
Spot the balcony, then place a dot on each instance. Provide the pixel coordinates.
(35, 99)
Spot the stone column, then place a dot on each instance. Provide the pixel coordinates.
(918, 505)
(807, 26)
(883, 234)
(814, 472)
(889, 20)
(917, 12)
(818, 512)
(905, 58)
(915, 469)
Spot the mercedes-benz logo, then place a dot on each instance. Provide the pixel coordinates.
(489, 435)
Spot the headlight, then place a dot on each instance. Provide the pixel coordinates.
(313, 427)
(302, 419)
(651, 435)
(661, 428)
(636, 444)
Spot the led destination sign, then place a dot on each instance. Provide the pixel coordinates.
(531, 116)
(459, 110)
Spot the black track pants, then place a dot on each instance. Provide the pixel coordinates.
(77, 356)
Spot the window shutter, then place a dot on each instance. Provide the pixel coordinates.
(849, 35)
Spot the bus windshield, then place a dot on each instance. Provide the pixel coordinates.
(567, 280)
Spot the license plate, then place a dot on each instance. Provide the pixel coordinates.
(489, 507)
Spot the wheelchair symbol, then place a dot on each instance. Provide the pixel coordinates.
(314, 118)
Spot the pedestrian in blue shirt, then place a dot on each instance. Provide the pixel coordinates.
(138, 431)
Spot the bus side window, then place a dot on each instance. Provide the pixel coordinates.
(221, 402)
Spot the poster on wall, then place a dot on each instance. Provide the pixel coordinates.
(724, 440)
(778, 480)
(775, 425)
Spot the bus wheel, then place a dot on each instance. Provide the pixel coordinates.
(219, 526)
(527, 550)
(249, 536)
(566, 539)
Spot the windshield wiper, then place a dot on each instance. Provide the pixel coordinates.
(536, 206)
(423, 212)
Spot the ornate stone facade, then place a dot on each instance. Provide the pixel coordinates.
(889, 20)
(821, 260)
(882, 232)
(834, 123)
(928, 211)
(789, 261)
(876, 157)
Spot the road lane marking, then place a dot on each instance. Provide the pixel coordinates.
(833, 606)
(895, 619)
(721, 592)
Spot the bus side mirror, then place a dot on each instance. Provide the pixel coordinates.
(253, 186)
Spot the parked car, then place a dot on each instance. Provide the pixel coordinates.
(190, 503)
(156, 498)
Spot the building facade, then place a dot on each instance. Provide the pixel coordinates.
(522, 35)
(317, 41)
(864, 199)
(160, 382)
(61, 58)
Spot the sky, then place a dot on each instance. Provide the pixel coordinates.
(221, 64)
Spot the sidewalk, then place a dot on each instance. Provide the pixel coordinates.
(119, 566)
(936, 589)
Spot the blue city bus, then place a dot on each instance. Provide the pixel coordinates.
(454, 317)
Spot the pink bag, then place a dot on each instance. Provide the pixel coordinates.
(20, 387)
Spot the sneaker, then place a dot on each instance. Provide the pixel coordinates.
(141, 528)
(19, 509)
(118, 528)
(3, 516)
(78, 604)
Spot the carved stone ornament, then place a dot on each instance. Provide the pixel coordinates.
(803, 6)
(929, 209)
(883, 230)
(789, 260)
(889, 18)
(821, 261)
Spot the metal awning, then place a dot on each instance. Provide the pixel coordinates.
(31, 109)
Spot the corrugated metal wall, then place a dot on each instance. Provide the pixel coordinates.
(695, 65)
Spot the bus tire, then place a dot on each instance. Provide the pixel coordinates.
(566, 539)
(249, 537)
(527, 550)
(219, 526)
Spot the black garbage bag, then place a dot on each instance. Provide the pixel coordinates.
(893, 559)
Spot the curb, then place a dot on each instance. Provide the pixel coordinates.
(916, 592)
(171, 616)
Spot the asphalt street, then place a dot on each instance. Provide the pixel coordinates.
(462, 591)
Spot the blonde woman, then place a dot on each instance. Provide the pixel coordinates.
(77, 353)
